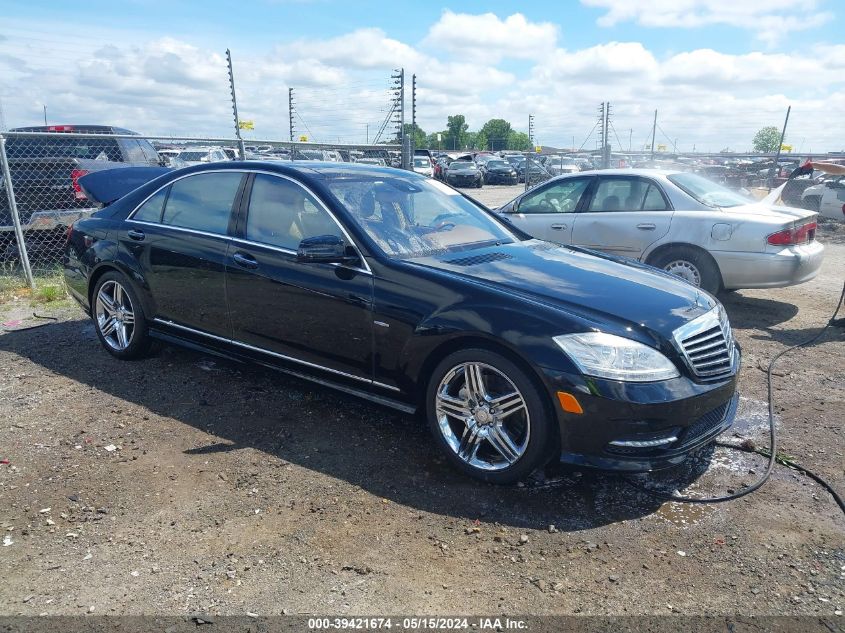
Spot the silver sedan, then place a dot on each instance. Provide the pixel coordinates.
(687, 225)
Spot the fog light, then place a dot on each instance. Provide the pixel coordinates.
(644, 443)
(568, 402)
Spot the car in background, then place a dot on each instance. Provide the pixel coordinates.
(536, 172)
(677, 221)
(498, 171)
(45, 172)
(198, 155)
(422, 165)
(559, 165)
(324, 155)
(826, 198)
(371, 160)
(167, 155)
(392, 287)
(463, 173)
(440, 165)
(232, 153)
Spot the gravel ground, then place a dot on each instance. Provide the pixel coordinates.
(183, 484)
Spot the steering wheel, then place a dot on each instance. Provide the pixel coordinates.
(546, 205)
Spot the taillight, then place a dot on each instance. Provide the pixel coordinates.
(795, 235)
(75, 175)
(60, 128)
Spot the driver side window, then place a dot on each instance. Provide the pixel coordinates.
(561, 197)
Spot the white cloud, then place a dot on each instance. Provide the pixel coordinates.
(487, 36)
(705, 97)
(770, 20)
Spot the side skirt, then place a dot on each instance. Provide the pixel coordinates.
(216, 351)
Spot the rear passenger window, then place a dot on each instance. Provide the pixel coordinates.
(202, 202)
(654, 200)
(150, 211)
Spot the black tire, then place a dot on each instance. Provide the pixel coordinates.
(539, 444)
(139, 341)
(710, 279)
(480, 183)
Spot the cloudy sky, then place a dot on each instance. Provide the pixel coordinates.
(716, 70)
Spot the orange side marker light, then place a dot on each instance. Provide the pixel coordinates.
(568, 402)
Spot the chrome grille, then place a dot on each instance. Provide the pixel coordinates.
(707, 345)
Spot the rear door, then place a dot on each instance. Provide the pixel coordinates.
(548, 212)
(623, 216)
(180, 237)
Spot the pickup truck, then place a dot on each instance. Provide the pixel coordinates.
(45, 175)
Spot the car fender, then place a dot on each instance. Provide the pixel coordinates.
(496, 331)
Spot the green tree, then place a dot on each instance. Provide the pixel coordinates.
(457, 129)
(519, 141)
(767, 139)
(419, 136)
(497, 132)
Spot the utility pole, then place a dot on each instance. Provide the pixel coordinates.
(653, 132)
(2, 117)
(241, 147)
(398, 85)
(414, 103)
(45, 114)
(777, 156)
(606, 148)
(290, 114)
(531, 130)
(630, 138)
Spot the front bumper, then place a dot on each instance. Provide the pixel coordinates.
(693, 413)
(787, 267)
(462, 181)
(493, 177)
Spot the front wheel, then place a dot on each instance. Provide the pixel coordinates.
(488, 417)
(119, 318)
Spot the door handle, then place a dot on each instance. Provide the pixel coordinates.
(245, 261)
(136, 235)
(558, 227)
(647, 226)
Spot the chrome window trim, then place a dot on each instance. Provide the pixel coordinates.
(338, 372)
(182, 229)
(129, 218)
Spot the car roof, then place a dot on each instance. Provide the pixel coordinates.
(632, 172)
(73, 128)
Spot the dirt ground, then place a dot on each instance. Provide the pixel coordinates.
(183, 484)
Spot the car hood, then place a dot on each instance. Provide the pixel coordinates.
(598, 288)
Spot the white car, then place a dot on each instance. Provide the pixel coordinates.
(422, 165)
(828, 198)
(687, 225)
(198, 156)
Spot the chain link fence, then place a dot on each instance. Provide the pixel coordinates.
(40, 195)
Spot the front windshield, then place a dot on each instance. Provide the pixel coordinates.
(422, 162)
(708, 192)
(462, 164)
(410, 218)
(497, 163)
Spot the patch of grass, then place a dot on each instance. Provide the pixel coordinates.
(48, 294)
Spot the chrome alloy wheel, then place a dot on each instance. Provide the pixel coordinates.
(483, 416)
(685, 270)
(115, 316)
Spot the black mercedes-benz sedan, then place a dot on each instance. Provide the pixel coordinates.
(464, 173)
(395, 287)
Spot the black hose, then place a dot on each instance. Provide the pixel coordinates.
(773, 440)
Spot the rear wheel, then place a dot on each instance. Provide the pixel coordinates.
(488, 417)
(119, 318)
(696, 267)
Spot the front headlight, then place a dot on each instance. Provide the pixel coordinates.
(608, 356)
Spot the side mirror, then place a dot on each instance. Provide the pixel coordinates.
(325, 249)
